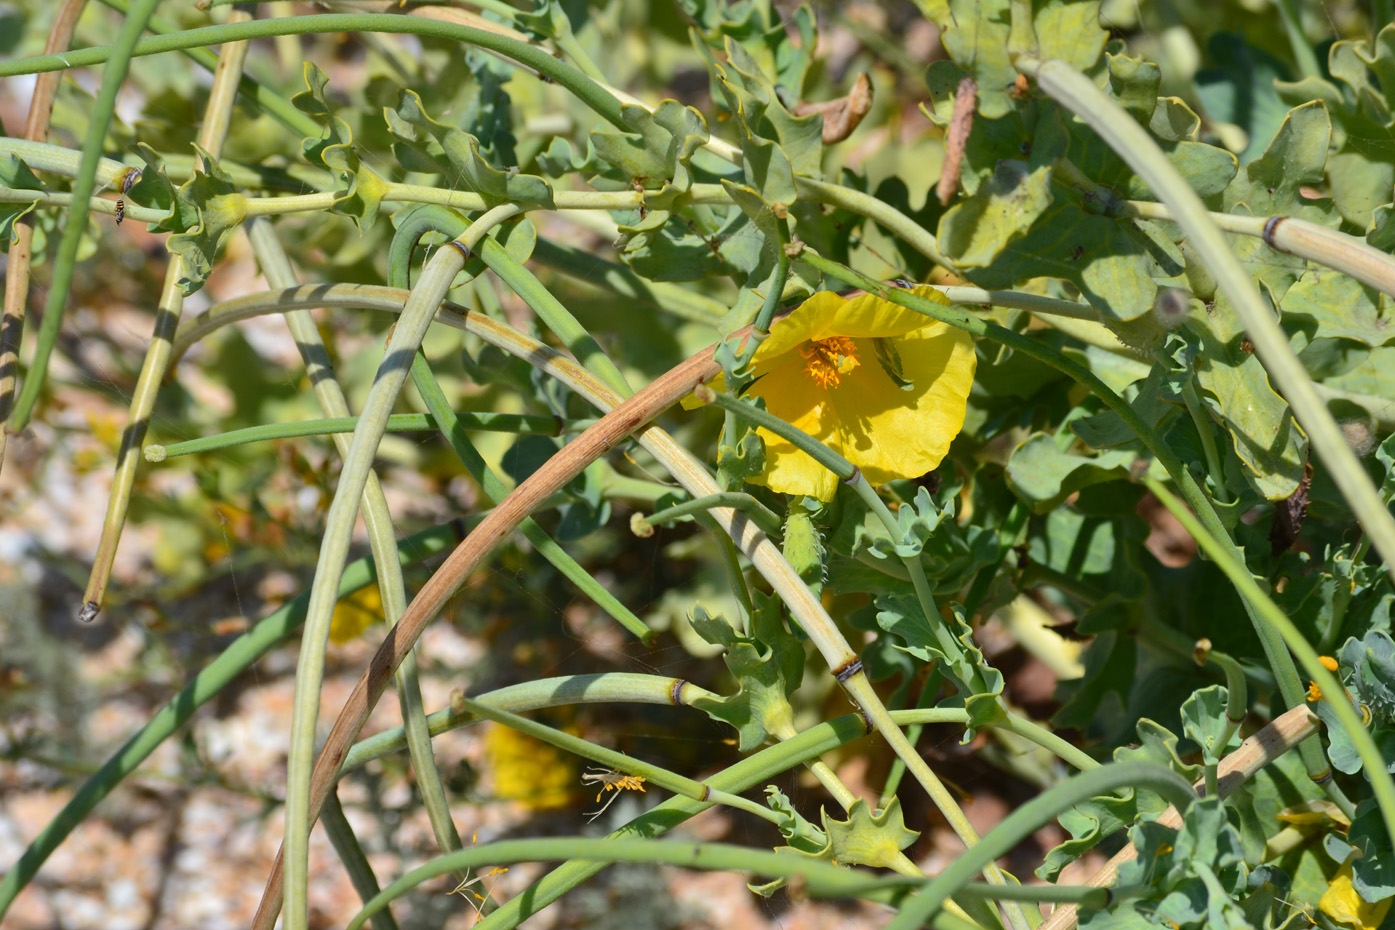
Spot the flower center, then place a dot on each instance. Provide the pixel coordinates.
(829, 359)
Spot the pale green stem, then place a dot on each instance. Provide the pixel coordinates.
(341, 834)
(872, 208)
(382, 537)
(406, 338)
(523, 424)
(678, 784)
(217, 115)
(1348, 254)
(1208, 439)
(65, 260)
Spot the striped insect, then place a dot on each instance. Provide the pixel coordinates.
(128, 180)
(609, 780)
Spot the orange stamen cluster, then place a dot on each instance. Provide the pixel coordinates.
(829, 359)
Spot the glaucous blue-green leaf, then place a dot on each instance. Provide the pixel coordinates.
(210, 208)
(658, 147)
(1272, 184)
(1270, 444)
(902, 617)
(776, 145)
(950, 554)
(469, 170)
(560, 159)
(154, 188)
(764, 33)
(975, 34)
(1204, 722)
(360, 190)
(868, 837)
(1072, 542)
(15, 175)
(1373, 870)
(977, 229)
(1069, 31)
(1043, 475)
(1098, 818)
(768, 666)
(679, 253)
(793, 826)
(1337, 307)
(1373, 375)
(1114, 263)
(755, 251)
(1155, 400)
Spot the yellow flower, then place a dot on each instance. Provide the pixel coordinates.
(884, 386)
(356, 613)
(525, 769)
(1328, 663)
(1342, 903)
(1314, 692)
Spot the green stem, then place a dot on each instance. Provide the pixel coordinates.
(405, 339)
(567, 76)
(866, 205)
(594, 271)
(410, 229)
(1332, 691)
(361, 876)
(212, 134)
(731, 562)
(398, 422)
(760, 330)
(65, 261)
(603, 688)
(822, 879)
(764, 517)
(377, 519)
(678, 784)
(554, 315)
(1208, 440)
(1030, 817)
(424, 380)
(1036, 733)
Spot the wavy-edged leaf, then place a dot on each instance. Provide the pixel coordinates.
(1270, 444)
(15, 175)
(360, 189)
(768, 666)
(469, 169)
(1042, 475)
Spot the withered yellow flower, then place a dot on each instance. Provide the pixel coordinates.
(884, 386)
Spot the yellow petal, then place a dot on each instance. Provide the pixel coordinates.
(826, 314)
(1345, 906)
(791, 395)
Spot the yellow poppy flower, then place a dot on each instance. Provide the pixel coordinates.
(1342, 903)
(884, 386)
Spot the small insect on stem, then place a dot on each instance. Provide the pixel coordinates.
(128, 180)
(609, 780)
